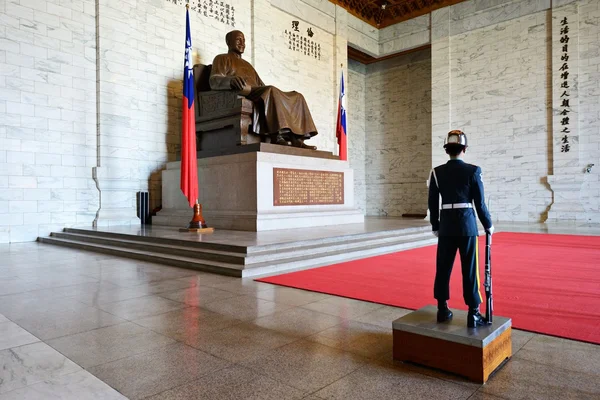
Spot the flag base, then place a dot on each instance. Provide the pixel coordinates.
(200, 230)
(197, 224)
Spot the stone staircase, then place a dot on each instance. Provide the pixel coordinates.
(244, 261)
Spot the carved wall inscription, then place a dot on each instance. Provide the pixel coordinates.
(300, 187)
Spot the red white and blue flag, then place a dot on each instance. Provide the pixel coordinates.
(340, 131)
(189, 163)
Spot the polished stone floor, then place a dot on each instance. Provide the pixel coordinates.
(80, 325)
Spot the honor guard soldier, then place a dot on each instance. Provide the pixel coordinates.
(455, 225)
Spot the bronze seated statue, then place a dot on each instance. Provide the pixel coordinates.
(234, 107)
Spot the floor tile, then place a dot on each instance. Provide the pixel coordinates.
(233, 383)
(198, 295)
(111, 295)
(306, 365)
(523, 379)
(383, 316)
(140, 307)
(290, 296)
(100, 346)
(245, 307)
(52, 279)
(76, 386)
(111, 292)
(207, 279)
(563, 353)
(298, 322)
(12, 285)
(12, 335)
(479, 395)
(355, 337)
(158, 370)
(520, 339)
(36, 303)
(187, 323)
(385, 382)
(32, 363)
(246, 286)
(239, 342)
(343, 307)
(83, 288)
(56, 323)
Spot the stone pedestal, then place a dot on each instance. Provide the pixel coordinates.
(237, 192)
(117, 199)
(567, 204)
(474, 353)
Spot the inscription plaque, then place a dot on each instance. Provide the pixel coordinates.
(301, 187)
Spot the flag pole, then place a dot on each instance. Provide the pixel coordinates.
(189, 166)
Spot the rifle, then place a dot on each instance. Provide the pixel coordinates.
(489, 302)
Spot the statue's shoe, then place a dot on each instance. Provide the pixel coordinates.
(475, 319)
(300, 143)
(281, 140)
(444, 315)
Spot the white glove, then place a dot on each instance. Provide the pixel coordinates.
(491, 230)
(436, 233)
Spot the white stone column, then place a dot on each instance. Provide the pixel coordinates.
(567, 178)
(115, 172)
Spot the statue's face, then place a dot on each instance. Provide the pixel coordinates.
(238, 43)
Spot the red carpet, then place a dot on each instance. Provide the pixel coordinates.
(546, 283)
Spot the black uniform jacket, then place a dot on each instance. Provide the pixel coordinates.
(457, 182)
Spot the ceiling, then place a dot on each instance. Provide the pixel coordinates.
(382, 13)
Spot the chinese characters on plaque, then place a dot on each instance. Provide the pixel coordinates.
(219, 10)
(297, 187)
(565, 107)
(295, 40)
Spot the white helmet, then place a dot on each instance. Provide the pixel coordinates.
(456, 137)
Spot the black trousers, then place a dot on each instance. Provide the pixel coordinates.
(469, 257)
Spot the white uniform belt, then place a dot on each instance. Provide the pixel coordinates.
(456, 205)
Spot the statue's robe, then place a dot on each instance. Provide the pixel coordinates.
(274, 110)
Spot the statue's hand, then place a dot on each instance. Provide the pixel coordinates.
(237, 83)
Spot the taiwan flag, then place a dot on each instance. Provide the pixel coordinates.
(340, 131)
(189, 163)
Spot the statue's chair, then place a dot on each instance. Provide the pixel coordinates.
(223, 118)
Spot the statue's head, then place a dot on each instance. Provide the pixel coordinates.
(236, 42)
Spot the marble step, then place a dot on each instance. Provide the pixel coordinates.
(241, 258)
(273, 266)
(131, 243)
(260, 249)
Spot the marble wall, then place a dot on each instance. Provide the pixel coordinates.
(47, 116)
(398, 134)
(499, 90)
(496, 76)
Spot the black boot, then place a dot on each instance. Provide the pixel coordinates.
(444, 314)
(475, 319)
(279, 139)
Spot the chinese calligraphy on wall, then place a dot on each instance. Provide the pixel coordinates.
(295, 187)
(296, 41)
(565, 107)
(219, 10)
